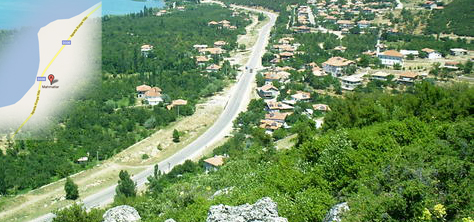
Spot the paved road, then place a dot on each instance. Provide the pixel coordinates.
(221, 127)
(324, 30)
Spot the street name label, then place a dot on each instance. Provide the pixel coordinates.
(49, 87)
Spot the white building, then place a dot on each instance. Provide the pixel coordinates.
(268, 91)
(382, 76)
(350, 82)
(391, 57)
(145, 49)
(409, 52)
(432, 54)
(458, 51)
(199, 47)
(336, 66)
(363, 24)
(153, 96)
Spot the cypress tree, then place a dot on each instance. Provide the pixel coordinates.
(126, 186)
(72, 191)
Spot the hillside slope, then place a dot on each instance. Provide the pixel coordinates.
(457, 17)
(403, 157)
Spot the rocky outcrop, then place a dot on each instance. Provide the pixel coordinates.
(264, 210)
(334, 215)
(122, 213)
(170, 220)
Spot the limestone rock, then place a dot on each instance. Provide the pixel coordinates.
(334, 215)
(122, 213)
(264, 210)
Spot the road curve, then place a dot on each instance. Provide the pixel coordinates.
(237, 102)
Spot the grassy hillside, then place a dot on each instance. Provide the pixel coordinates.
(457, 17)
(402, 157)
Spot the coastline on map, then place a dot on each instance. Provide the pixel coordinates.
(18, 79)
(76, 68)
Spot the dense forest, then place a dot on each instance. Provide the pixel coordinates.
(105, 120)
(392, 157)
(175, 73)
(457, 17)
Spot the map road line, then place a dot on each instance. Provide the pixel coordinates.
(47, 67)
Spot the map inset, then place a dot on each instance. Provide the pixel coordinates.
(53, 55)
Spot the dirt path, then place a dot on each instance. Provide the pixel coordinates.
(51, 196)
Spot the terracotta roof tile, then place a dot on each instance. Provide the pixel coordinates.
(393, 53)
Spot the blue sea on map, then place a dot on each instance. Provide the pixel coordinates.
(19, 60)
(122, 7)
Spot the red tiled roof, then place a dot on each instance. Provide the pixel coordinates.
(179, 102)
(143, 88)
(267, 87)
(338, 61)
(393, 53)
(409, 75)
(321, 107)
(215, 161)
(276, 116)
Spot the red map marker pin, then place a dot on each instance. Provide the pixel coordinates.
(51, 78)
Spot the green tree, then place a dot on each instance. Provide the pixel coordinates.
(176, 136)
(364, 61)
(435, 69)
(76, 213)
(422, 54)
(71, 189)
(279, 134)
(397, 66)
(467, 67)
(260, 80)
(126, 187)
(266, 58)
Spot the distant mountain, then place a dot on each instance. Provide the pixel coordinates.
(457, 17)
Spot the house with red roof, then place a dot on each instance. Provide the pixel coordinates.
(391, 57)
